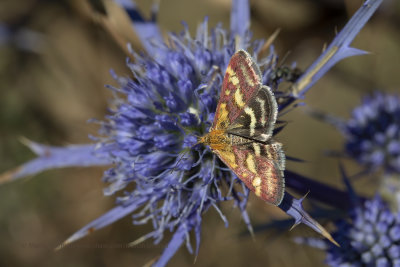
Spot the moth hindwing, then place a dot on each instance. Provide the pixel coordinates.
(241, 134)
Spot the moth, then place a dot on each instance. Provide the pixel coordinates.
(241, 133)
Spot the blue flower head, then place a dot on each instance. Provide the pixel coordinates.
(151, 135)
(373, 132)
(371, 237)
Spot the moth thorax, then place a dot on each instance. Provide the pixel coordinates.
(213, 138)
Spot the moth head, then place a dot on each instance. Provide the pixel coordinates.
(205, 139)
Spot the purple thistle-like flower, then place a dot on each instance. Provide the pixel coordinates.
(152, 133)
(370, 238)
(373, 132)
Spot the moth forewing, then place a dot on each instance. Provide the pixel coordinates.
(257, 121)
(242, 130)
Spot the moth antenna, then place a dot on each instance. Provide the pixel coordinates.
(216, 70)
(214, 73)
(179, 160)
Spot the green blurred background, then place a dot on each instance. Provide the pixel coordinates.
(49, 90)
